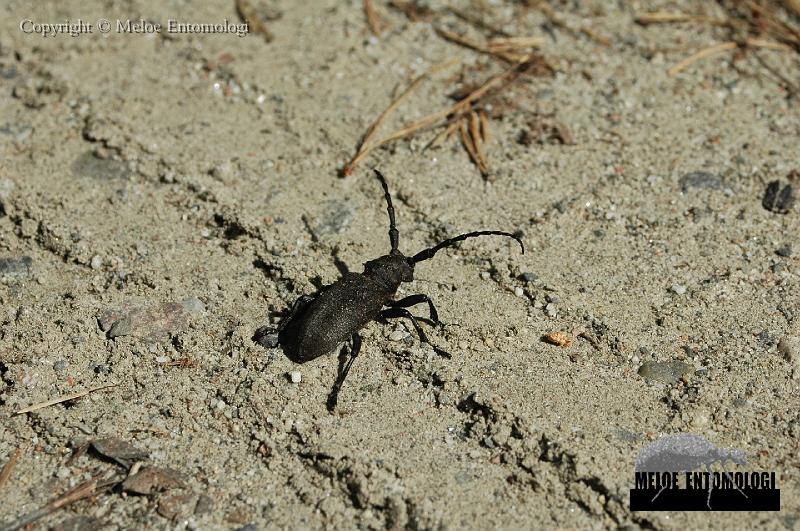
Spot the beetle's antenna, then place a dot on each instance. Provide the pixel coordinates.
(428, 253)
(394, 236)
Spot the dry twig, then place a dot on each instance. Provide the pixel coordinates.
(84, 490)
(248, 13)
(373, 20)
(65, 398)
(494, 83)
(8, 468)
(365, 146)
(664, 17)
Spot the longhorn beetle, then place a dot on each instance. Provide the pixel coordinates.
(318, 325)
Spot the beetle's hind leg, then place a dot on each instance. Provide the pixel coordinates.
(268, 336)
(345, 362)
(390, 313)
(413, 300)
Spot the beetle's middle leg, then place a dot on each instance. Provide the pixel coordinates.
(345, 362)
(268, 336)
(390, 313)
(413, 300)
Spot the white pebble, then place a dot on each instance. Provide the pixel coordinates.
(678, 289)
(295, 376)
(485, 275)
(519, 292)
(397, 335)
(97, 262)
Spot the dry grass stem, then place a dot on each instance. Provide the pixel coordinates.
(373, 20)
(248, 14)
(8, 468)
(65, 398)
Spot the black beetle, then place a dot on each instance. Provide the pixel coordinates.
(317, 325)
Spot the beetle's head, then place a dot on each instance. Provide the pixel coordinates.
(390, 269)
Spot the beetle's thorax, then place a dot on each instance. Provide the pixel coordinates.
(390, 270)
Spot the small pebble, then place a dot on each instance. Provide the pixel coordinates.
(678, 289)
(702, 179)
(551, 310)
(519, 292)
(485, 275)
(784, 251)
(560, 339)
(528, 277)
(162, 359)
(97, 262)
(397, 335)
(295, 377)
(15, 266)
(59, 365)
(193, 305)
(665, 372)
(778, 199)
(335, 217)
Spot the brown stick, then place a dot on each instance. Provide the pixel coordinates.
(556, 20)
(702, 54)
(717, 48)
(364, 146)
(663, 17)
(510, 44)
(84, 490)
(472, 45)
(475, 133)
(8, 468)
(373, 20)
(478, 22)
(484, 126)
(793, 5)
(254, 22)
(504, 78)
(444, 134)
(467, 141)
(65, 398)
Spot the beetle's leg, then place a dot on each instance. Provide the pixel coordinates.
(412, 300)
(345, 362)
(267, 335)
(299, 305)
(390, 313)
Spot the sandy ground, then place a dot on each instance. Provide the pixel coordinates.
(139, 171)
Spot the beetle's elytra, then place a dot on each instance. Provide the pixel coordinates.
(318, 325)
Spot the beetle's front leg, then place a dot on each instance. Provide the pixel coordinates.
(413, 300)
(345, 362)
(390, 313)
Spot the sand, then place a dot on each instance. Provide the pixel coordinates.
(192, 179)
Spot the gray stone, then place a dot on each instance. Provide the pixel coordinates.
(15, 266)
(335, 216)
(90, 165)
(702, 180)
(664, 371)
(193, 305)
(155, 322)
